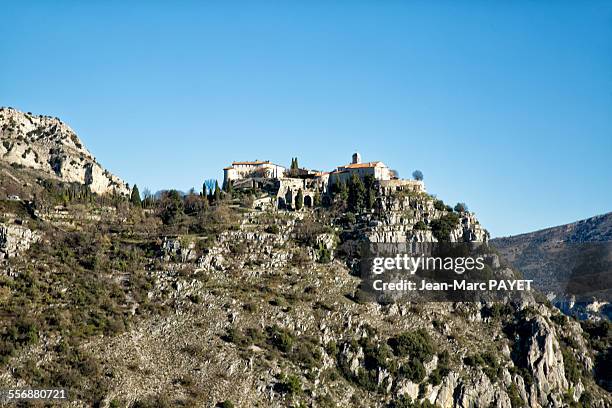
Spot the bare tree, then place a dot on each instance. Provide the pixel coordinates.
(210, 185)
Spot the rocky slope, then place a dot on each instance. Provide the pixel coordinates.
(47, 144)
(257, 309)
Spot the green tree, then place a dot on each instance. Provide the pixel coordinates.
(299, 200)
(294, 164)
(229, 187)
(356, 194)
(370, 197)
(439, 205)
(461, 207)
(417, 175)
(217, 194)
(340, 189)
(170, 207)
(135, 197)
(317, 198)
(442, 228)
(343, 191)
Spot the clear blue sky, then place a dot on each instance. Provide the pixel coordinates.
(503, 105)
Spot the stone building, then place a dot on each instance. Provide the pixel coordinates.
(252, 169)
(379, 170)
(281, 186)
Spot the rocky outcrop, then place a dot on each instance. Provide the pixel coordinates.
(543, 358)
(14, 239)
(174, 249)
(47, 144)
(407, 217)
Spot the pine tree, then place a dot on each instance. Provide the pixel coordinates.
(135, 197)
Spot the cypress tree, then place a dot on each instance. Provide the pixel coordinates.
(299, 200)
(370, 198)
(217, 195)
(135, 197)
(356, 194)
(317, 198)
(229, 187)
(342, 190)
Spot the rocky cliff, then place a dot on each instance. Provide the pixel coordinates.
(204, 303)
(47, 144)
(15, 239)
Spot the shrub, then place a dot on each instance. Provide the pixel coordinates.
(442, 227)
(280, 338)
(272, 229)
(572, 369)
(420, 225)
(442, 370)
(376, 356)
(324, 255)
(307, 353)
(417, 344)
(414, 370)
(515, 398)
(290, 385)
(439, 205)
(406, 402)
(487, 361)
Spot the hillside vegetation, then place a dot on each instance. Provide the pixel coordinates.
(198, 301)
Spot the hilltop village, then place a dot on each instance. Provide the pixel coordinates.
(290, 188)
(175, 299)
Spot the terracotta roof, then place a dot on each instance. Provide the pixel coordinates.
(361, 165)
(251, 162)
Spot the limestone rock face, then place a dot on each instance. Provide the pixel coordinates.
(545, 360)
(396, 218)
(49, 145)
(172, 248)
(15, 239)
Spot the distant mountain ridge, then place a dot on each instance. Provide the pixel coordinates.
(572, 259)
(515, 248)
(594, 229)
(49, 145)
